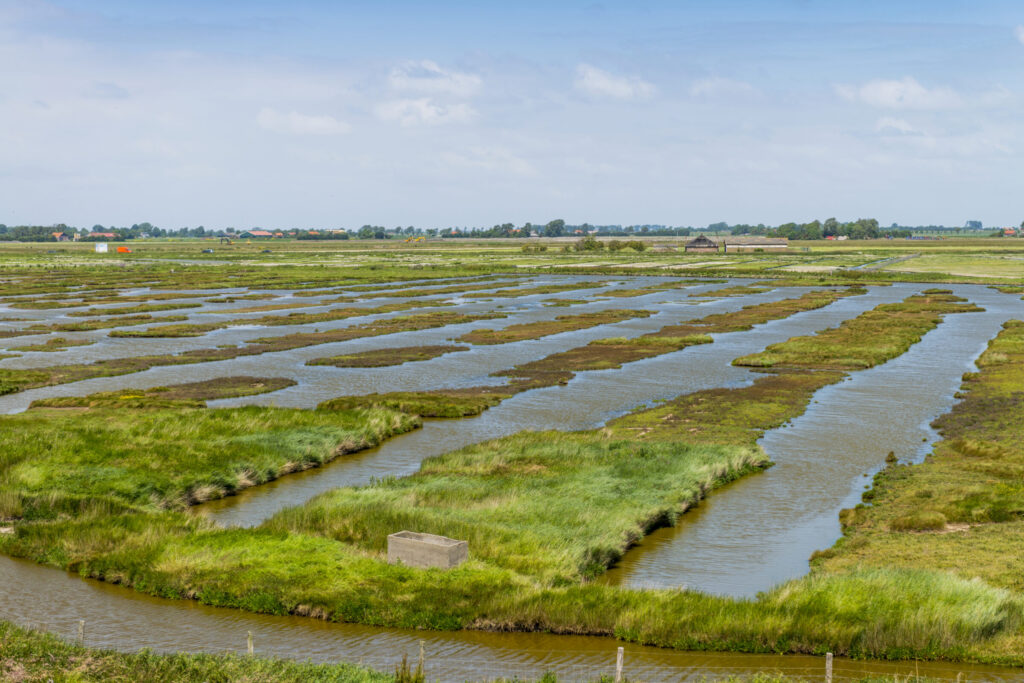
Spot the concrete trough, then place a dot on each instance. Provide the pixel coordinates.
(426, 551)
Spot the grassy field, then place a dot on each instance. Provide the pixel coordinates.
(543, 512)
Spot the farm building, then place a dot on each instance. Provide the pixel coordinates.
(701, 244)
(735, 245)
(259, 234)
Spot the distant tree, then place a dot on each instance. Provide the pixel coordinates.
(830, 227)
(365, 232)
(554, 228)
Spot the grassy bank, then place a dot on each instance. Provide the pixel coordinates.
(27, 655)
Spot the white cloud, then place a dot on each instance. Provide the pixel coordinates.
(427, 77)
(600, 83)
(424, 111)
(1019, 32)
(905, 93)
(719, 87)
(491, 159)
(888, 125)
(300, 124)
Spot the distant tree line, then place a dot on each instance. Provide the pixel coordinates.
(862, 228)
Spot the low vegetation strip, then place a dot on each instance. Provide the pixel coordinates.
(865, 341)
(962, 509)
(659, 287)
(191, 395)
(27, 655)
(440, 403)
(378, 358)
(298, 318)
(738, 290)
(539, 289)
(544, 328)
(133, 310)
(12, 379)
(53, 344)
(102, 323)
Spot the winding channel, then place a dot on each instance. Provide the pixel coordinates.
(780, 516)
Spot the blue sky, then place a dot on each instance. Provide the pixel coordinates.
(336, 114)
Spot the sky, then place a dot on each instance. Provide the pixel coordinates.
(306, 114)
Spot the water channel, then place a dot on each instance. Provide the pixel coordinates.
(750, 535)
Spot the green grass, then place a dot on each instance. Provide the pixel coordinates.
(133, 310)
(441, 403)
(53, 344)
(378, 358)
(520, 501)
(56, 460)
(191, 395)
(296, 318)
(871, 338)
(27, 655)
(543, 328)
(102, 323)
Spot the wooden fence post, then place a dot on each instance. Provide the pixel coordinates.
(828, 667)
(618, 665)
(81, 632)
(249, 643)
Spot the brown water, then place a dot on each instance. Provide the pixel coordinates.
(122, 618)
(761, 530)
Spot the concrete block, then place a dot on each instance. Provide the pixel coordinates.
(426, 550)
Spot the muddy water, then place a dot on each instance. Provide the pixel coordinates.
(585, 402)
(120, 618)
(761, 530)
